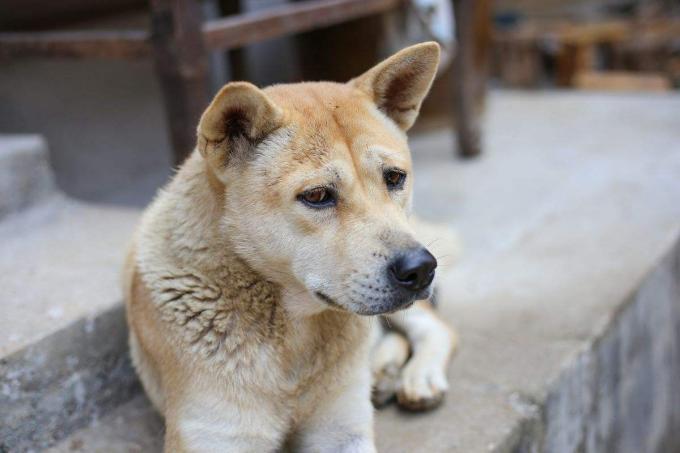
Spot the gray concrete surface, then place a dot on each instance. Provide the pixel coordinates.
(564, 219)
(57, 255)
(133, 427)
(59, 263)
(25, 175)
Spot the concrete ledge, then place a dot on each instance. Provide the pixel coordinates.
(60, 262)
(63, 349)
(622, 393)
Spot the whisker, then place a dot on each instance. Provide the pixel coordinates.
(433, 241)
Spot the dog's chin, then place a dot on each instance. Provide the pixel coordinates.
(383, 309)
(373, 308)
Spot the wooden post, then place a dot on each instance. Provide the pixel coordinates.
(469, 74)
(237, 57)
(182, 66)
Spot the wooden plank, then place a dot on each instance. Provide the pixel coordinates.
(237, 31)
(595, 33)
(570, 32)
(16, 15)
(228, 33)
(76, 44)
(621, 81)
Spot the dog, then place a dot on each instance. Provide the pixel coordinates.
(254, 279)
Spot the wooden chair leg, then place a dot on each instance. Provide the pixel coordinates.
(182, 66)
(469, 75)
(238, 66)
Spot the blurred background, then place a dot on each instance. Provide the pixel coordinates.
(550, 141)
(114, 103)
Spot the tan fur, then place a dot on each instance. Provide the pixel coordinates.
(228, 334)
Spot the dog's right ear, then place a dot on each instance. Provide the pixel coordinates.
(399, 84)
(238, 118)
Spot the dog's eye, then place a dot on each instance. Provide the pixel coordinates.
(394, 178)
(319, 197)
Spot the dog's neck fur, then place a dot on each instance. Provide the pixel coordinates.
(201, 285)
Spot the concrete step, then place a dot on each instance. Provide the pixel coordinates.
(62, 349)
(567, 297)
(25, 175)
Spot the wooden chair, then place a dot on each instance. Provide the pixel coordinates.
(180, 40)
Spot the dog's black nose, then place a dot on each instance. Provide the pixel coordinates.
(414, 269)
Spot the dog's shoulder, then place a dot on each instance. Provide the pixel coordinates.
(210, 299)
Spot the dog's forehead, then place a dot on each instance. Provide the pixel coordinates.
(314, 98)
(332, 119)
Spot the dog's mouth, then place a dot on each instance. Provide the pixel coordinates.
(381, 309)
(328, 301)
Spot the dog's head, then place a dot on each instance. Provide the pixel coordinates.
(317, 183)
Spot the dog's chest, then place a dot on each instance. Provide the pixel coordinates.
(242, 329)
(323, 346)
(319, 360)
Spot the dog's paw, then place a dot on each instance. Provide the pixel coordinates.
(385, 384)
(422, 386)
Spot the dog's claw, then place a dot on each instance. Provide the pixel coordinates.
(419, 404)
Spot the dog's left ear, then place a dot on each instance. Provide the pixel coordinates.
(399, 84)
(239, 117)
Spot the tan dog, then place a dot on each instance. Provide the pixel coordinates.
(253, 274)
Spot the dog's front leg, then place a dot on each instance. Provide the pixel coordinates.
(342, 422)
(423, 378)
(209, 423)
